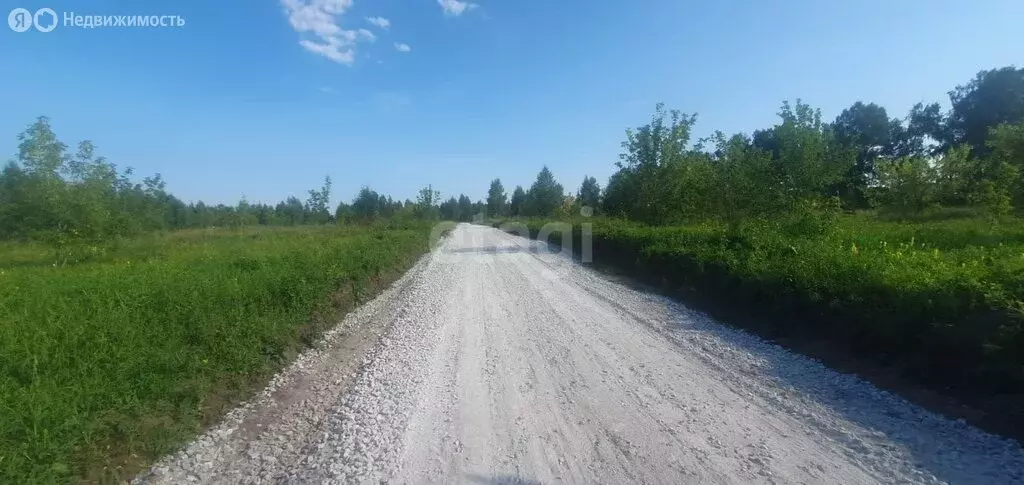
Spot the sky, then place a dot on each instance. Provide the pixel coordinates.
(263, 98)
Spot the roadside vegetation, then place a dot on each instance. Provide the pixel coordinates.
(131, 320)
(108, 364)
(898, 240)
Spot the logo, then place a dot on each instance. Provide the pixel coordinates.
(40, 20)
(20, 19)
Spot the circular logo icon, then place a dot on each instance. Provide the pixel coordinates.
(19, 19)
(45, 26)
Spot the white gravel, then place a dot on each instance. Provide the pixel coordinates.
(503, 363)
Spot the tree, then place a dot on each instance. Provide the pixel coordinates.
(75, 201)
(731, 184)
(479, 210)
(617, 200)
(955, 175)
(290, 212)
(927, 131)
(43, 194)
(570, 206)
(426, 203)
(989, 183)
(366, 205)
(465, 208)
(866, 129)
(992, 98)
(496, 199)
(39, 151)
(767, 140)
(317, 203)
(343, 213)
(388, 207)
(515, 205)
(589, 194)
(1006, 143)
(13, 181)
(91, 203)
(809, 162)
(243, 215)
(545, 195)
(450, 209)
(648, 152)
(907, 185)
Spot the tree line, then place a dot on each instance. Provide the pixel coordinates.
(51, 195)
(971, 156)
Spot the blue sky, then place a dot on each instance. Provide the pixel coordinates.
(263, 98)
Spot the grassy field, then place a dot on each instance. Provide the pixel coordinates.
(110, 362)
(941, 300)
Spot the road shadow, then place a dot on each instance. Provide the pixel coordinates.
(500, 479)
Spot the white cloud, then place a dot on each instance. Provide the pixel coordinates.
(367, 35)
(318, 22)
(316, 16)
(331, 50)
(379, 22)
(400, 47)
(326, 89)
(456, 7)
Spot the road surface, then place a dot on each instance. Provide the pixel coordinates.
(496, 361)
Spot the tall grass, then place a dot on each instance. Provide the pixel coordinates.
(111, 362)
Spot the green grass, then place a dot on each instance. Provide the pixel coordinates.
(113, 361)
(943, 299)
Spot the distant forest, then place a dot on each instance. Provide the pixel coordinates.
(970, 156)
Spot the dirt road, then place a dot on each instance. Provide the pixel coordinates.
(499, 362)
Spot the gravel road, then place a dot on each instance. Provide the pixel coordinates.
(496, 361)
